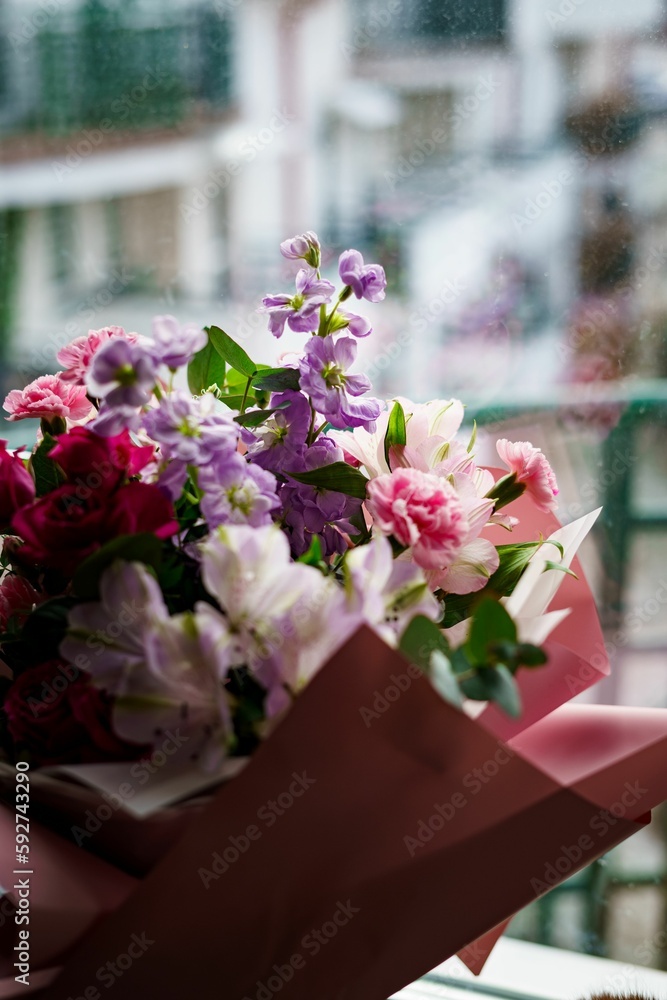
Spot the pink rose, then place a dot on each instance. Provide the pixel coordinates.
(530, 466)
(17, 488)
(422, 512)
(17, 600)
(47, 397)
(77, 356)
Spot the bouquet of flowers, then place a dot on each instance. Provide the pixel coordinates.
(207, 559)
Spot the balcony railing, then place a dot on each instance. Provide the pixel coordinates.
(434, 23)
(97, 64)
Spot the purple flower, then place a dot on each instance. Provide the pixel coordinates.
(192, 430)
(175, 345)
(305, 247)
(236, 492)
(282, 438)
(300, 311)
(308, 511)
(367, 281)
(112, 420)
(172, 479)
(358, 326)
(122, 374)
(323, 377)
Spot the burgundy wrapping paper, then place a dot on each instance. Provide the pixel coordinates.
(69, 890)
(336, 863)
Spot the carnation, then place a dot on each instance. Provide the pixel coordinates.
(77, 357)
(422, 513)
(531, 467)
(47, 397)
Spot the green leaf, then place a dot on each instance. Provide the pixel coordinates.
(144, 548)
(473, 438)
(277, 379)
(231, 352)
(420, 640)
(253, 418)
(527, 655)
(339, 477)
(513, 560)
(506, 490)
(444, 679)
(491, 624)
(206, 369)
(313, 557)
(48, 475)
(234, 402)
(396, 432)
(458, 607)
(47, 625)
(502, 689)
(549, 565)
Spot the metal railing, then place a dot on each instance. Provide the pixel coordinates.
(91, 64)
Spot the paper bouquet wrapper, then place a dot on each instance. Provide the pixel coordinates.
(376, 833)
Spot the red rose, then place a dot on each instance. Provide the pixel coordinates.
(141, 507)
(61, 529)
(17, 488)
(98, 463)
(17, 600)
(55, 713)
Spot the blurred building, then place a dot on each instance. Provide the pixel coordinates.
(154, 154)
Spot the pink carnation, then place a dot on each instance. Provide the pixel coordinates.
(47, 397)
(531, 467)
(77, 356)
(421, 512)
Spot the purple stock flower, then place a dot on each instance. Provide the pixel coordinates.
(175, 345)
(122, 374)
(367, 281)
(236, 492)
(300, 311)
(305, 247)
(192, 430)
(308, 511)
(112, 420)
(282, 438)
(358, 326)
(323, 377)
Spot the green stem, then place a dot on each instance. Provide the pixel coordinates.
(313, 415)
(245, 394)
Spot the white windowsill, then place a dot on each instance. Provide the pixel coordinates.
(518, 970)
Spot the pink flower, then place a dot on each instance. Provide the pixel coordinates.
(77, 356)
(17, 599)
(530, 466)
(423, 513)
(47, 397)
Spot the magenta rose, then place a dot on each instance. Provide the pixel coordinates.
(62, 528)
(99, 463)
(17, 488)
(54, 712)
(141, 507)
(18, 597)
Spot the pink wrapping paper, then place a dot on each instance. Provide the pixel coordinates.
(576, 648)
(403, 841)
